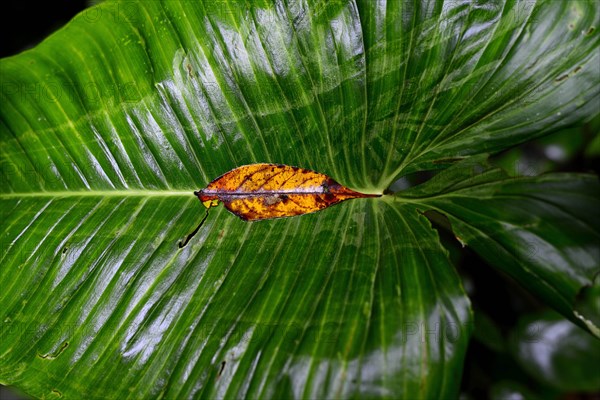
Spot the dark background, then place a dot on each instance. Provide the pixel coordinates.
(23, 24)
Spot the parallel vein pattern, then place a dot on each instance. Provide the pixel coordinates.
(106, 124)
(527, 227)
(324, 314)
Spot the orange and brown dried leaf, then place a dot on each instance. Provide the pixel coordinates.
(264, 191)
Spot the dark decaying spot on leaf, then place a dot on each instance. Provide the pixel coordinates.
(561, 78)
(265, 191)
(52, 356)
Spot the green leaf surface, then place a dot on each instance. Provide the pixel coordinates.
(456, 78)
(164, 95)
(542, 231)
(108, 126)
(557, 353)
(340, 308)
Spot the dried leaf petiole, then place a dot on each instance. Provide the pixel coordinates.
(191, 235)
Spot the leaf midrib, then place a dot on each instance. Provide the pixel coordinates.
(101, 193)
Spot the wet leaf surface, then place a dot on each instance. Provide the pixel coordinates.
(542, 231)
(108, 126)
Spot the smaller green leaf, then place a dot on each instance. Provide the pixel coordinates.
(542, 231)
(587, 306)
(557, 352)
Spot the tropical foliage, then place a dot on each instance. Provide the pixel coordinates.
(109, 125)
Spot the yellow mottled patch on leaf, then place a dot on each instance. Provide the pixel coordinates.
(264, 191)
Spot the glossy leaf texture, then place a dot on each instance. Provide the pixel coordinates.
(342, 308)
(108, 126)
(264, 191)
(447, 79)
(170, 95)
(542, 231)
(557, 353)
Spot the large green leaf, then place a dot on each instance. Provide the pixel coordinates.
(108, 126)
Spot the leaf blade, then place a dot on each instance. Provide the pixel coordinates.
(299, 324)
(153, 97)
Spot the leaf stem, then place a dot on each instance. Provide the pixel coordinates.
(191, 235)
